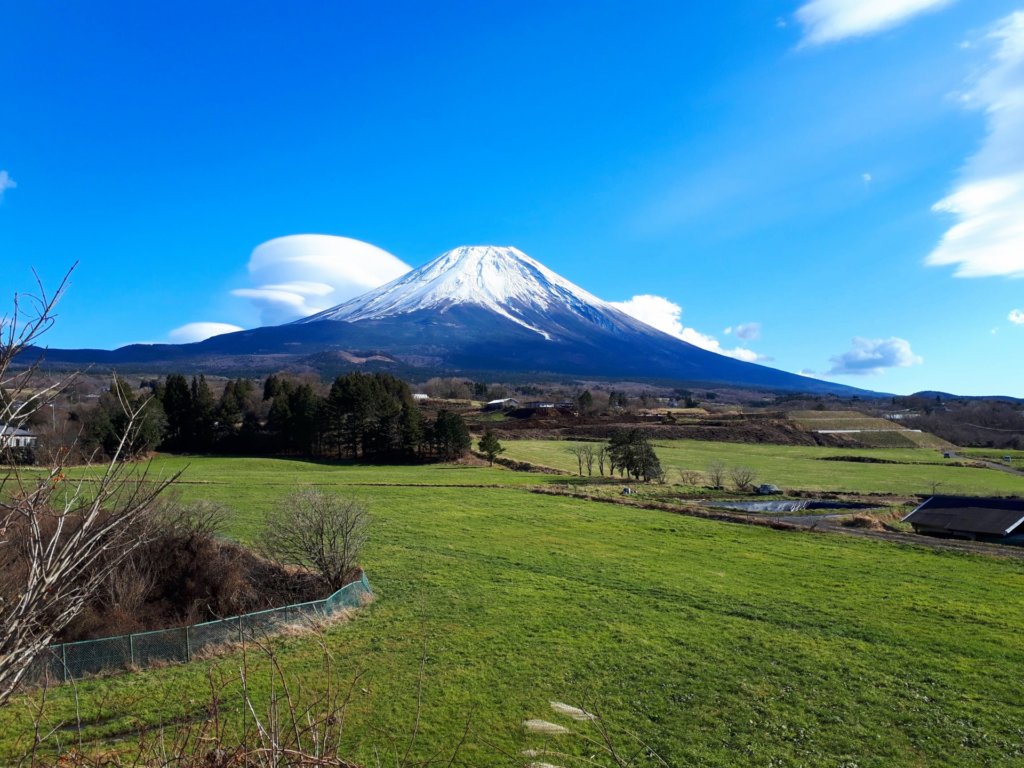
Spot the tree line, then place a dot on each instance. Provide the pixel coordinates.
(363, 416)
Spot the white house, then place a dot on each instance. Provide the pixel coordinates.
(14, 437)
(503, 403)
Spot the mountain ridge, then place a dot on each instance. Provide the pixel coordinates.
(473, 308)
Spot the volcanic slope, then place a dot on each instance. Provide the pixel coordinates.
(475, 309)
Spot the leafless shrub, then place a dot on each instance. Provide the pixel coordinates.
(715, 474)
(690, 477)
(742, 477)
(60, 540)
(313, 529)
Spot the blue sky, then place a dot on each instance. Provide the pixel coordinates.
(833, 186)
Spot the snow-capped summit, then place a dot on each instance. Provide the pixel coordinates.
(501, 279)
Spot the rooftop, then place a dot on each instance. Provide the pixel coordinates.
(968, 514)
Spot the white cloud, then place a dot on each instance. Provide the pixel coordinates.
(867, 178)
(199, 331)
(827, 21)
(988, 202)
(658, 312)
(6, 182)
(300, 275)
(1016, 316)
(873, 356)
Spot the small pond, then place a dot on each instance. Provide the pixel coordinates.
(789, 506)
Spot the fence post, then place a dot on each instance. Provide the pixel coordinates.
(131, 650)
(64, 659)
(188, 646)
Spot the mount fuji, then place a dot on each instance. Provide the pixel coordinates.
(474, 309)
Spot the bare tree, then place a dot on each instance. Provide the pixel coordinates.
(716, 474)
(602, 458)
(59, 539)
(588, 459)
(742, 477)
(313, 529)
(690, 476)
(580, 452)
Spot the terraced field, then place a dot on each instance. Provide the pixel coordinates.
(869, 431)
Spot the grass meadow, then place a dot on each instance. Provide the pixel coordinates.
(717, 644)
(914, 471)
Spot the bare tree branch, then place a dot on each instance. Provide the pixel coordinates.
(59, 540)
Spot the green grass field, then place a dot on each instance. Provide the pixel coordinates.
(718, 644)
(803, 468)
(1016, 458)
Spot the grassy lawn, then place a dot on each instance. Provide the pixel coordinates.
(718, 644)
(802, 467)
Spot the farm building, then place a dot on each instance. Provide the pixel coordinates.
(13, 437)
(967, 517)
(502, 404)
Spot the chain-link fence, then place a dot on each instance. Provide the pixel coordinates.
(69, 661)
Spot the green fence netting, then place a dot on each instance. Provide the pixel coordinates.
(70, 661)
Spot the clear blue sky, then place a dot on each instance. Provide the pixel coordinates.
(770, 167)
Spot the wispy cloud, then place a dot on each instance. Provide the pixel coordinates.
(1016, 316)
(828, 21)
(745, 331)
(665, 315)
(6, 182)
(872, 356)
(988, 201)
(200, 331)
(300, 275)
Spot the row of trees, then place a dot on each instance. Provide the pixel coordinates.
(362, 416)
(629, 453)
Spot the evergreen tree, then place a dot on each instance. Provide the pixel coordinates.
(490, 447)
(201, 425)
(107, 422)
(631, 451)
(450, 436)
(585, 401)
(177, 404)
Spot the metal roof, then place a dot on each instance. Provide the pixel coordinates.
(16, 431)
(968, 514)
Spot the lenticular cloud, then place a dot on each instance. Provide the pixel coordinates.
(300, 275)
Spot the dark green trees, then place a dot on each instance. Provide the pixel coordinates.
(449, 436)
(372, 416)
(490, 447)
(107, 424)
(363, 416)
(631, 451)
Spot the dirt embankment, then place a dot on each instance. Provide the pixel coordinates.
(562, 426)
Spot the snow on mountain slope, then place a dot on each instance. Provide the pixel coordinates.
(503, 280)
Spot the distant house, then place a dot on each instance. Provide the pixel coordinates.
(541, 405)
(501, 404)
(967, 517)
(14, 437)
(420, 397)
